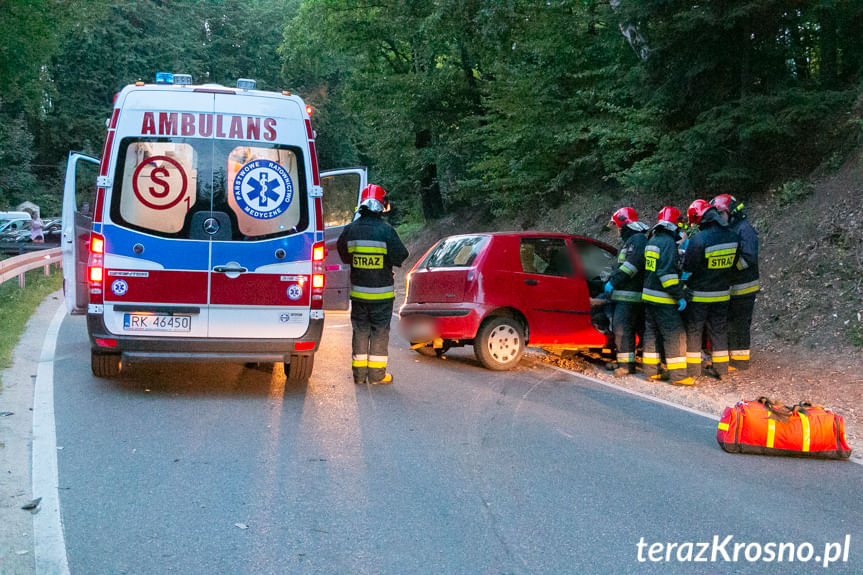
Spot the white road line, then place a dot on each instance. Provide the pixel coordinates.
(633, 392)
(48, 542)
(853, 459)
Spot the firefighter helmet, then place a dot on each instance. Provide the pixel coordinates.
(623, 216)
(372, 198)
(668, 218)
(726, 203)
(696, 211)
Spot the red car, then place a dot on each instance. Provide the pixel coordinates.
(501, 292)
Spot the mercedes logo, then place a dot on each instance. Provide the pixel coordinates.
(211, 226)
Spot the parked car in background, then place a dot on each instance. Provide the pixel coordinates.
(51, 230)
(15, 230)
(13, 221)
(501, 292)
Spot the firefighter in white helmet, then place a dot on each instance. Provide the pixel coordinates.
(372, 247)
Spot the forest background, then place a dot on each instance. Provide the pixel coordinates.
(482, 114)
(488, 104)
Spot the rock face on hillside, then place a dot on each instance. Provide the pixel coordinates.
(808, 324)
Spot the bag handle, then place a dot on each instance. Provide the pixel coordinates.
(779, 410)
(804, 407)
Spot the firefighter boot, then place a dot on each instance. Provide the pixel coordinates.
(624, 369)
(387, 380)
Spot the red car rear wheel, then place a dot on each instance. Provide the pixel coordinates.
(499, 343)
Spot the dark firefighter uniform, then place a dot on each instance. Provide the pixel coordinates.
(708, 260)
(744, 287)
(372, 247)
(627, 281)
(663, 326)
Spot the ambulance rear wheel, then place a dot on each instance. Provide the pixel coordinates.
(105, 364)
(299, 369)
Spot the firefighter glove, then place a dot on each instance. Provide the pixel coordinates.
(682, 304)
(608, 288)
(685, 276)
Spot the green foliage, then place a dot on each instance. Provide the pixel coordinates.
(16, 154)
(473, 103)
(17, 305)
(794, 191)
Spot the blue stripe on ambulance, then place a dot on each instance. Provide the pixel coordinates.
(253, 255)
(171, 253)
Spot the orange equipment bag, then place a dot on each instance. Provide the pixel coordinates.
(770, 428)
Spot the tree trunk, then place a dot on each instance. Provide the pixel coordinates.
(828, 68)
(432, 202)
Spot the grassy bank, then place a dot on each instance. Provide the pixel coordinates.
(17, 305)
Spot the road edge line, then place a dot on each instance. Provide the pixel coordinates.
(49, 544)
(648, 397)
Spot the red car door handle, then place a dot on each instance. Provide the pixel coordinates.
(531, 282)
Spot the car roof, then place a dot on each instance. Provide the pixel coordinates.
(532, 234)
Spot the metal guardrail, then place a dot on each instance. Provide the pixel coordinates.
(18, 248)
(19, 265)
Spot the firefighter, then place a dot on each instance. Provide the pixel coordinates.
(625, 286)
(744, 280)
(707, 263)
(372, 247)
(664, 299)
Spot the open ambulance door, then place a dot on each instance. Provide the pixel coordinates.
(79, 194)
(342, 190)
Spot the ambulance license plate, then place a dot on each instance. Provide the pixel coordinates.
(157, 322)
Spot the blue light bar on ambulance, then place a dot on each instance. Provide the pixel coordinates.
(183, 79)
(246, 84)
(164, 78)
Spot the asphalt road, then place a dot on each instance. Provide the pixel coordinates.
(215, 468)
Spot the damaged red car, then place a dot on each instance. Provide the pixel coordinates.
(505, 291)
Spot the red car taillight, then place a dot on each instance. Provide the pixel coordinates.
(318, 255)
(95, 269)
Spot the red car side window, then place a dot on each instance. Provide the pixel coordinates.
(546, 256)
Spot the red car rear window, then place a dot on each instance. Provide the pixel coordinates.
(455, 252)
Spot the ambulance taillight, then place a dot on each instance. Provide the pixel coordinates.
(318, 254)
(95, 270)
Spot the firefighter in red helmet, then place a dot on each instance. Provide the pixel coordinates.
(707, 263)
(664, 299)
(744, 280)
(625, 284)
(372, 247)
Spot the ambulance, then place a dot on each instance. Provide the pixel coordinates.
(201, 233)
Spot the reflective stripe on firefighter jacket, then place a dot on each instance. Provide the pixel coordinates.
(709, 259)
(372, 247)
(744, 275)
(628, 278)
(661, 279)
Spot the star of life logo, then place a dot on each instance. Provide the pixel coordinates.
(119, 287)
(263, 189)
(295, 292)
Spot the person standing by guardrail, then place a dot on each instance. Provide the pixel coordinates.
(36, 233)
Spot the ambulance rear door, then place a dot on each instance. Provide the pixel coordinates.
(342, 189)
(79, 194)
(261, 266)
(156, 248)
